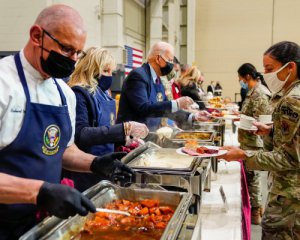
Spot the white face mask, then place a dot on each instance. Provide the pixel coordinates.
(271, 79)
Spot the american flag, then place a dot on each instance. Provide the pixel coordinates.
(134, 59)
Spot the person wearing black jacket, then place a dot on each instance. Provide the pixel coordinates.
(243, 93)
(218, 89)
(188, 83)
(211, 88)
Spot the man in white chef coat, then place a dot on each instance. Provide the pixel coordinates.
(37, 117)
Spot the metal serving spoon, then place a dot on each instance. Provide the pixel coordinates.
(112, 211)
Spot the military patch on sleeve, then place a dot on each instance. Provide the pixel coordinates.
(289, 118)
(285, 127)
(290, 109)
(292, 115)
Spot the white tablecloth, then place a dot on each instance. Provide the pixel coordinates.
(214, 223)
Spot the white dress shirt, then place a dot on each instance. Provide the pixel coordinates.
(13, 99)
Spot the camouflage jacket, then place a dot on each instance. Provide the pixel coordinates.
(256, 103)
(268, 140)
(283, 161)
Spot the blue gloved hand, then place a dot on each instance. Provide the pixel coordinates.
(63, 201)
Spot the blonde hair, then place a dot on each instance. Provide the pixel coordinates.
(191, 76)
(90, 66)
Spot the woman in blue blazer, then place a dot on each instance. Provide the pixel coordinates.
(96, 131)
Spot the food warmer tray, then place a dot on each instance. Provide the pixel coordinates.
(105, 192)
(194, 180)
(218, 127)
(213, 124)
(208, 141)
(177, 135)
(162, 159)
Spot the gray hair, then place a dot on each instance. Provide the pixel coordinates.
(159, 48)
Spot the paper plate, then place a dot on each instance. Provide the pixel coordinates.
(231, 117)
(267, 123)
(253, 128)
(227, 117)
(221, 152)
(214, 108)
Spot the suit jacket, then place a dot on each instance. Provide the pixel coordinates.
(135, 102)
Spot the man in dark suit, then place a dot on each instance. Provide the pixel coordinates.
(143, 97)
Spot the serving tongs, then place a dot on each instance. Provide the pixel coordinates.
(112, 211)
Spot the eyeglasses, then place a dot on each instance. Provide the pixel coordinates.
(170, 61)
(67, 51)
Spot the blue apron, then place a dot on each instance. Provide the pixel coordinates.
(36, 153)
(106, 115)
(157, 94)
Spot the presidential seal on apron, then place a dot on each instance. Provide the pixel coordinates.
(51, 139)
(159, 97)
(112, 119)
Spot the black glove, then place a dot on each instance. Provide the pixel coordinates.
(63, 201)
(109, 166)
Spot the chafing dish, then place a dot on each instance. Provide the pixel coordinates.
(216, 137)
(203, 136)
(162, 159)
(193, 175)
(209, 140)
(177, 140)
(210, 125)
(218, 125)
(105, 192)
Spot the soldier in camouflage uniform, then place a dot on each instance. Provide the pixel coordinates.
(256, 103)
(281, 219)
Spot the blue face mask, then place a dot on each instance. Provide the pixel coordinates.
(244, 85)
(104, 82)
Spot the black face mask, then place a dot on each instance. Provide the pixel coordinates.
(56, 65)
(166, 69)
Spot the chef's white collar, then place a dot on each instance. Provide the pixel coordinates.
(29, 68)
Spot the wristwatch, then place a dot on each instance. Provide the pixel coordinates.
(249, 153)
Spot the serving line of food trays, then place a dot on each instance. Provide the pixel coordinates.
(216, 125)
(199, 135)
(179, 226)
(165, 167)
(203, 137)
